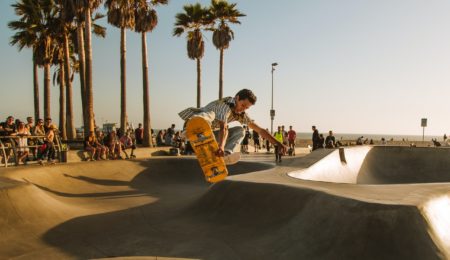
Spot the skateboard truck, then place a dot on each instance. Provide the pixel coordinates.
(215, 172)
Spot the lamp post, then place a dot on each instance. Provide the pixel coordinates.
(272, 111)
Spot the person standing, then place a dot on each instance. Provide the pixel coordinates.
(279, 135)
(315, 138)
(22, 142)
(49, 149)
(292, 135)
(139, 134)
(256, 142)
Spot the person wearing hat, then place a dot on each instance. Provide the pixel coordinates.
(48, 148)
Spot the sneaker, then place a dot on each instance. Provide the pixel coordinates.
(231, 158)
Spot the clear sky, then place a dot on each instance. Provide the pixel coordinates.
(353, 66)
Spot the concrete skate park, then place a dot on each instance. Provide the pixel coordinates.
(366, 202)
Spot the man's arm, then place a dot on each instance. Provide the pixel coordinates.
(223, 134)
(266, 135)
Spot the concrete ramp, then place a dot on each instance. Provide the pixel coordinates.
(381, 165)
(162, 208)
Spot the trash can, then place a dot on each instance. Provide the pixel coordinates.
(64, 156)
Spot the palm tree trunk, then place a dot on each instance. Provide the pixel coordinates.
(199, 89)
(123, 87)
(88, 78)
(47, 112)
(70, 128)
(147, 126)
(62, 103)
(82, 60)
(221, 75)
(36, 91)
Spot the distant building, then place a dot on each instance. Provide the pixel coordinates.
(109, 127)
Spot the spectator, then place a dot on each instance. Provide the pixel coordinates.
(330, 141)
(160, 138)
(315, 138)
(104, 153)
(31, 141)
(90, 145)
(170, 133)
(8, 126)
(256, 141)
(48, 147)
(245, 140)
(127, 143)
(285, 135)
(47, 124)
(359, 141)
(30, 124)
(321, 141)
(139, 134)
(22, 142)
(267, 142)
(114, 146)
(279, 137)
(292, 135)
(178, 142)
(39, 128)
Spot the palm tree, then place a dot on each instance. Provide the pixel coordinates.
(59, 79)
(27, 36)
(83, 10)
(67, 15)
(121, 15)
(46, 28)
(192, 21)
(146, 21)
(224, 13)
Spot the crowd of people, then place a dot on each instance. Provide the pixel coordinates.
(319, 141)
(32, 141)
(112, 145)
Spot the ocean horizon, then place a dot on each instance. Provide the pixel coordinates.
(375, 137)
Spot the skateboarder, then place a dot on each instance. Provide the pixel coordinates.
(223, 111)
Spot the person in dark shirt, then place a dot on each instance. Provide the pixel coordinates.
(315, 138)
(330, 141)
(47, 124)
(8, 127)
(139, 134)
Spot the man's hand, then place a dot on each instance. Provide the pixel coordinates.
(282, 148)
(220, 152)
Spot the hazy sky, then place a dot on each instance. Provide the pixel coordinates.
(353, 66)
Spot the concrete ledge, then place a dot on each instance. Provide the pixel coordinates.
(140, 152)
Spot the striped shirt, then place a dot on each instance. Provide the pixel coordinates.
(223, 111)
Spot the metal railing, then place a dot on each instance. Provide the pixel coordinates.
(9, 148)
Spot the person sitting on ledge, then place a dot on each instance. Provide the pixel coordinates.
(127, 143)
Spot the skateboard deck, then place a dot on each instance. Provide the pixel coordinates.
(205, 146)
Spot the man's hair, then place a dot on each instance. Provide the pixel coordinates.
(244, 94)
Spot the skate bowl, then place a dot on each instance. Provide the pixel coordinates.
(381, 165)
(162, 208)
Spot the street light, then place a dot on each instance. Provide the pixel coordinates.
(272, 111)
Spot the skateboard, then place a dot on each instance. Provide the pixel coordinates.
(204, 144)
